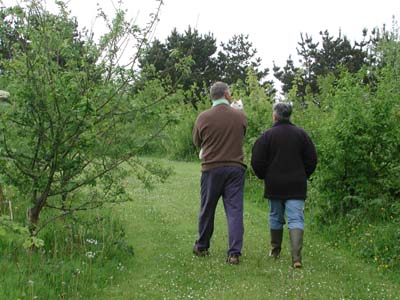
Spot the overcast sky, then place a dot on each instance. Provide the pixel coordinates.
(274, 27)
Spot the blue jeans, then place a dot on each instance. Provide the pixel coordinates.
(294, 212)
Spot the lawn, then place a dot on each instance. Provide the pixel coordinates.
(161, 225)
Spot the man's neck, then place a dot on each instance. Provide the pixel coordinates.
(220, 101)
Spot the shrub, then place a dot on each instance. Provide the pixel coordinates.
(358, 146)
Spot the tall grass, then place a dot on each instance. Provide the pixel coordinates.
(79, 256)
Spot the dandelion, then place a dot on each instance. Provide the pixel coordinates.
(30, 282)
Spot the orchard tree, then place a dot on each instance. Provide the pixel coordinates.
(72, 120)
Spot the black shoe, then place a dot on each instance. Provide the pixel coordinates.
(199, 252)
(233, 259)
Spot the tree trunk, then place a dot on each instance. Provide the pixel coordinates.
(33, 218)
(34, 213)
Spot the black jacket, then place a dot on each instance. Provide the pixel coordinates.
(284, 156)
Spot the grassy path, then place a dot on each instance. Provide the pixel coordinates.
(161, 226)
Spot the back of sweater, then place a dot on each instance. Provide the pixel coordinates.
(220, 131)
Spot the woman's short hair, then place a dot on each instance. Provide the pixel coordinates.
(282, 111)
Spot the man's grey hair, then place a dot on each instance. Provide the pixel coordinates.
(218, 90)
(282, 111)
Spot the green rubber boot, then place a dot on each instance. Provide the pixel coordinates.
(296, 244)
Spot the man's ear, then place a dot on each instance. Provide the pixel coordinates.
(227, 96)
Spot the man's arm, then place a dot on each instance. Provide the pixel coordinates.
(259, 158)
(196, 135)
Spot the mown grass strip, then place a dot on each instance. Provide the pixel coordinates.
(162, 224)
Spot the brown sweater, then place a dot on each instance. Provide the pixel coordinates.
(220, 131)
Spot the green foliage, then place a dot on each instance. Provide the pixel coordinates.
(150, 172)
(324, 58)
(72, 118)
(185, 59)
(12, 231)
(33, 243)
(378, 243)
(179, 142)
(374, 242)
(76, 256)
(356, 187)
(189, 61)
(358, 146)
(236, 58)
(257, 107)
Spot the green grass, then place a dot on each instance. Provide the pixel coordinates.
(78, 257)
(162, 225)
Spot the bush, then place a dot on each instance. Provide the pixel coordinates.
(178, 142)
(355, 189)
(358, 146)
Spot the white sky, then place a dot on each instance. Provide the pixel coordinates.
(274, 27)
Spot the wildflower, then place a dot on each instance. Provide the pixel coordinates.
(91, 241)
(90, 254)
(120, 267)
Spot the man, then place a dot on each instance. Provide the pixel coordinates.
(285, 157)
(220, 131)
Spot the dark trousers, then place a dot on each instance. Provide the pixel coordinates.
(227, 182)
